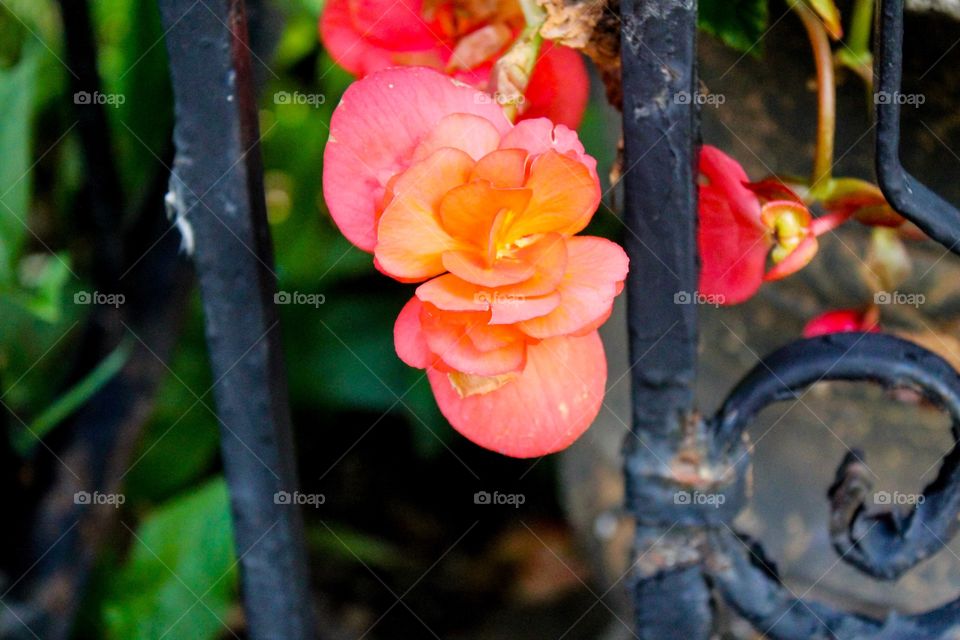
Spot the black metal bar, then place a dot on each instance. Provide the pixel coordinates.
(216, 192)
(908, 196)
(659, 55)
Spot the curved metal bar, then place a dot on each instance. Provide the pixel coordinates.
(939, 219)
(749, 583)
(884, 544)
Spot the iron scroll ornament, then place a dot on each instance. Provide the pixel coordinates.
(883, 544)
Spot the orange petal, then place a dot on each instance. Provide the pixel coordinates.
(548, 255)
(410, 239)
(510, 309)
(451, 293)
(595, 269)
(565, 196)
(472, 134)
(449, 336)
(467, 211)
(472, 267)
(548, 406)
(503, 168)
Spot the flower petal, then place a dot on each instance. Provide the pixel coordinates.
(346, 45)
(396, 24)
(408, 337)
(539, 135)
(559, 87)
(465, 131)
(504, 168)
(411, 239)
(454, 338)
(468, 211)
(373, 133)
(548, 406)
(595, 269)
(565, 197)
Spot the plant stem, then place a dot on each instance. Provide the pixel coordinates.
(511, 73)
(826, 95)
(861, 25)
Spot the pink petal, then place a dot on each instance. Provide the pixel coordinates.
(539, 135)
(395, 24)
(553, 401)
(465, 131)
(373, 133)
(346, 45)
(408, 336)
(595, 269)
(559, 87)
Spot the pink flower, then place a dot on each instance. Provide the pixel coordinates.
(460, 39)
(843, 321)
(741, 224)
(446, 192)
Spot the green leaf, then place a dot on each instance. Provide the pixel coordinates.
(43, 277)
(740, 24)
(72, 400)
(181, 577)
(16, 115)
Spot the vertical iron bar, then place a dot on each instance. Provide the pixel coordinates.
(935, 216)
(216, 192)
(660, 136)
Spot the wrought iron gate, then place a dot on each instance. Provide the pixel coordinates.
(697, 560)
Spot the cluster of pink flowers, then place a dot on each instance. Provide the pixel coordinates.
(428, 174)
